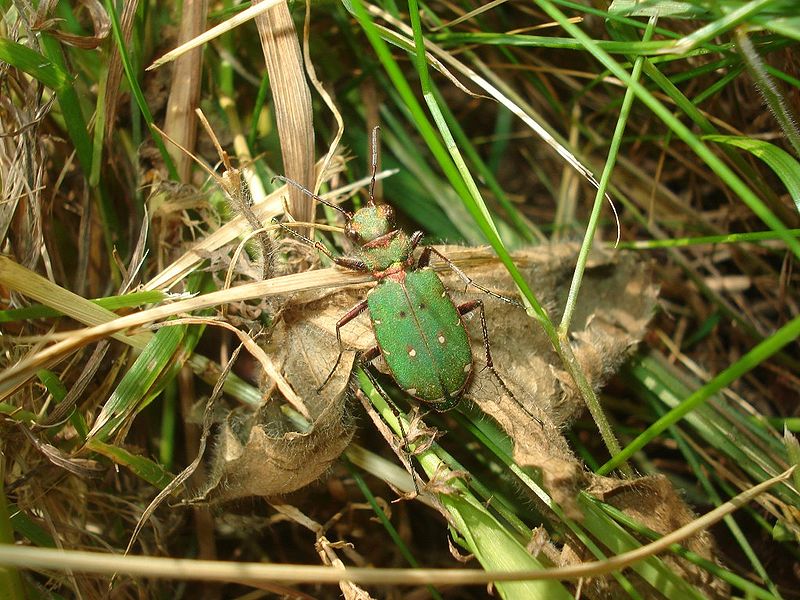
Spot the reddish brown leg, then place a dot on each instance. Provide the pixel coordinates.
(425, 258)
(369, 355)
(469, 307)
(346, 318)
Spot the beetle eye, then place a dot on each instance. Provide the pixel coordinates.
(351, 233)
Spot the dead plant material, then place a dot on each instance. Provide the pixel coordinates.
(654, 503)
(267, 453)
(184, 93)
(611, 317)
(101, 24)
(615, 305)
(292, 100)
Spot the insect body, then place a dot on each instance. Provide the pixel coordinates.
(421, 336)
(419, 330)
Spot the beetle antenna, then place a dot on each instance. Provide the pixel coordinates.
(375, 131)
(347, 214)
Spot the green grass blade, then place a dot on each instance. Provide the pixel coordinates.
(681, 130)
(600, 197)
(729, 238)
(29, 529)
(494, 545)
(34, 64)
(728, 21)
(136, 90)
(138, 382)
(736, 531)
(39, 311)
(144, 468)
(652, 570)
(57, 389)
(783, 164)
(662, 8)
(10, 581)
(734, 433)
(402, 547)
(497, 550)
(780, 109)
(734, 580)
(539, 41)
(756, 356)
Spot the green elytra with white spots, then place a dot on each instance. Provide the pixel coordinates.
(421, 337)
(417, 327)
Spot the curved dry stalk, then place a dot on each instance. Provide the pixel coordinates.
(265, 210)
(208, 570)
(107, 323)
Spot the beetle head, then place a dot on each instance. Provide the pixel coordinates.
(369, 223)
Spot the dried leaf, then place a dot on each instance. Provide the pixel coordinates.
(616, 302)
(264, 453)
(101, 24)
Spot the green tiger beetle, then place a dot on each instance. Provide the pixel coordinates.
(419, 330)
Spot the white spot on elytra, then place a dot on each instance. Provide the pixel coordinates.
(467, 368)
(444, 293)
(378, 321)
(412, 353)
(441, 339)
(412, 391)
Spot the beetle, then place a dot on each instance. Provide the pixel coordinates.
(418, 328)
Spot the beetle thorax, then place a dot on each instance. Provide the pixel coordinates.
(381, 245)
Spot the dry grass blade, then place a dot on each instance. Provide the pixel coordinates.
(215, 32)
(16, 277)
(113, 326)
(264, 210)
(292, 100)
(184, 475)
(471, 14)
(101, 26)
(98, 398)
(184, 93)
(326, 97)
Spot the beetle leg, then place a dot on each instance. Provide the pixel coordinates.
(416, 238)
(313, 243)
(346, 318)
(369, 355)
(425, 257)
(364, 359)
(469, 307)
(348, 262)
